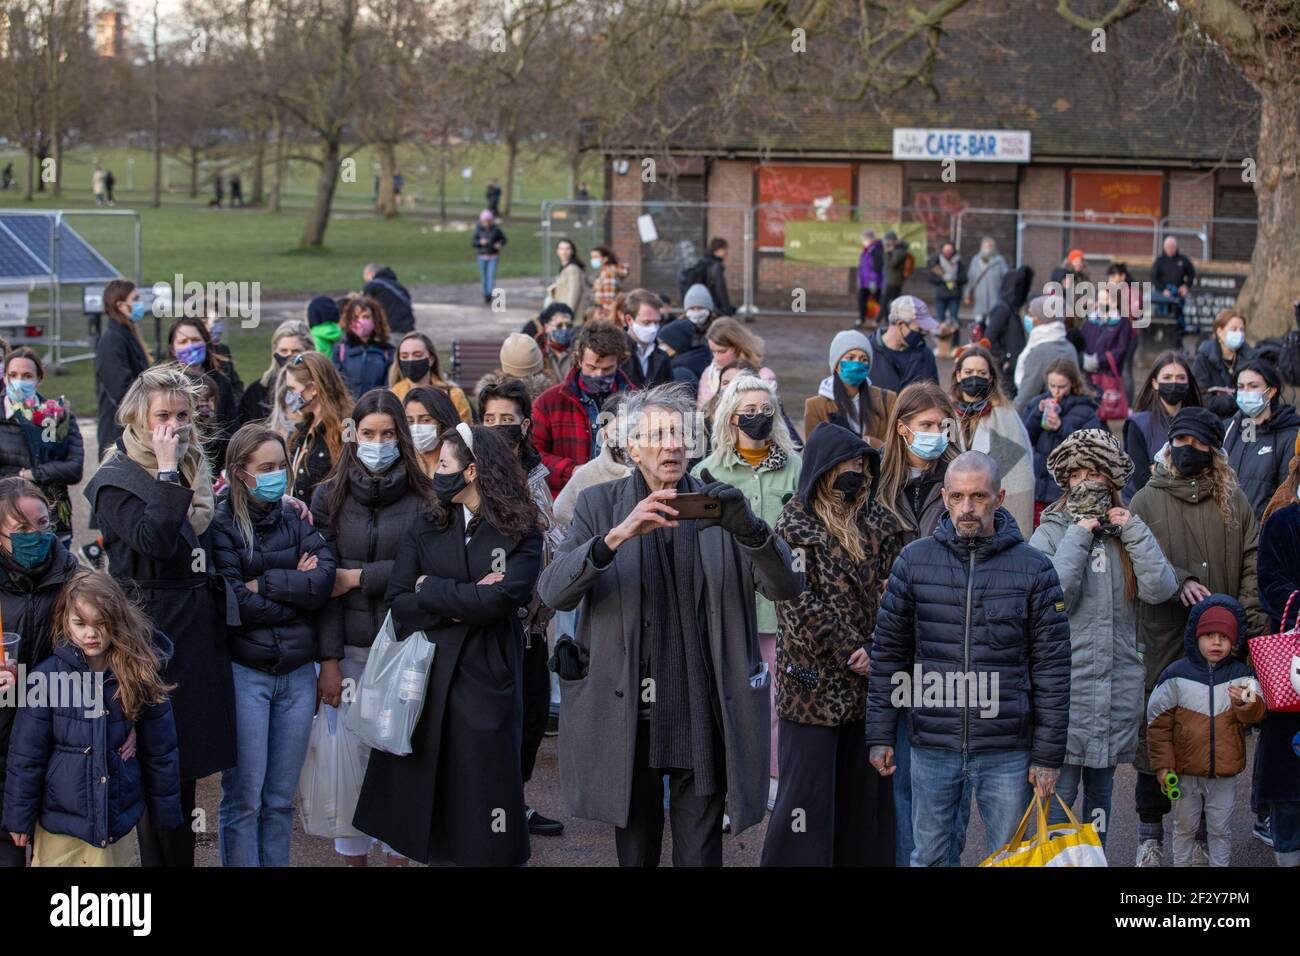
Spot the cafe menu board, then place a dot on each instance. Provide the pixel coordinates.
(1210, 292)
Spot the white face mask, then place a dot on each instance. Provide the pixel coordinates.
(595, 262)
(424, 437)
(645, 334)
(698, 316)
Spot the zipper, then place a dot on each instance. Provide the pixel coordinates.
(970, 589)
(1212, 715)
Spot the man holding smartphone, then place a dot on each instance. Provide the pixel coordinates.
(675, 684)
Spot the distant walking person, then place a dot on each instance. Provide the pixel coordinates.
(487, 241)
(236, 191)
(494, 199)
(109, 182)
(218, 191)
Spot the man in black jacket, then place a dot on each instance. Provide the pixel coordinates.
(1172, 274)
(382, 285)
(973, 639)
(647, 365)
(711, 272)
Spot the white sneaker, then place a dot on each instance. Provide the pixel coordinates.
(771, 794)
(1200, 853)
(1150, 853)
(726, 823)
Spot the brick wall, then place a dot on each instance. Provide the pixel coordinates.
(731, 181)
(880, 186)
(1042, 188)
(1191, 194)
(625, 239)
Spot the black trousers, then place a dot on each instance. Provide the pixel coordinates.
(864, 296)
(537, 700)
(170, 847)
(10, 855)
(1152, 804)
(891, 293)
(696, 820)
(832, 808)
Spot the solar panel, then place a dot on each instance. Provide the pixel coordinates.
(25, 252)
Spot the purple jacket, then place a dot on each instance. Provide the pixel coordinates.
(871, 266)
(1100, 338)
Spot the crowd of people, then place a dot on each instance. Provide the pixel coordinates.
(620, 535)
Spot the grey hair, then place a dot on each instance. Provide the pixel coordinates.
(977, 461)
(990, 240)
(371, 268)
(676, 397)
(724, 433)
(289, 328)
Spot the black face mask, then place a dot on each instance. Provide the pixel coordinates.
(1173, 393)
(975, 386)
(1190, 461)
(447, 487)
(280, 359)
(415, 369)
(757, 426)
(849, 484)
(512, 433)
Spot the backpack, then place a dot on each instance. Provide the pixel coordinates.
(692, 275)
(909, 264)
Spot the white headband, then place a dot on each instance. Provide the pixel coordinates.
(467, 434)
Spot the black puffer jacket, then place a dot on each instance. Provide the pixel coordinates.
(375, 516)
(988, 606)
(1210, 371)
(53, 476)
(1261, 464)
(316, 462)
(277, 630)
(27, 603)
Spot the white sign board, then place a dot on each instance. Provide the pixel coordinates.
(963, 145)
(13, 307)
(467, 172)
(645, 225)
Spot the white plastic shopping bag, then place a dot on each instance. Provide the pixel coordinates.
(390, 697)
(331, 777)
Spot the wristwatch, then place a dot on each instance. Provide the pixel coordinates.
(173, 476)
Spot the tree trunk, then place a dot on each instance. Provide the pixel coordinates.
(313, 233)
(31, 172)
(1274, 282)
(194, 173)
(386, 204)
(155, 103)
(157, 171)
(277, 171)
(57, 155)
(259, 172)
(507, 194)
(442, 182)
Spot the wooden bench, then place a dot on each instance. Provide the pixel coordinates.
(471, 359)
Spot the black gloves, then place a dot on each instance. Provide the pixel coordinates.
(737, 518)
(569, 660)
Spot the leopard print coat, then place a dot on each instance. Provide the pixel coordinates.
(833, 617)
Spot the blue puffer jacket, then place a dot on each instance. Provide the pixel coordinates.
(983, 606)
(1077, 412)
(363, 365)
(64, 769)
(277, 629)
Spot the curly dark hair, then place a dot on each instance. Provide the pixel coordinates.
(505, 501)
(603, 338)
(377, 401)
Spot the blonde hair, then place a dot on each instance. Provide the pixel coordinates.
(132, 655)
(840, 516)
(731, 334)
(724, 433)
(244, 443)
(1223, 482)
(169, 378)
(894, 464)
(290, 328)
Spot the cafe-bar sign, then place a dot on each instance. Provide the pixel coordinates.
(964, 145)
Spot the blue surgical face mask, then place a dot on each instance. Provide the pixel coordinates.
(271, 485)
(19, 390)
(31, 548)
(1251, 403)
(1235, 340)
(137, 310)
(377, 456)
(928, 445)
(217, 329)
(854, 373)
(1028, 320)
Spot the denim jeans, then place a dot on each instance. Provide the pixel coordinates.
(487, 271)
(903, 843)
(947, 308)
(1097, 783)
(1286, 832)
(999, 781)
(272, 725)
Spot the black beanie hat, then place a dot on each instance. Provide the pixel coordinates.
(1200, 423)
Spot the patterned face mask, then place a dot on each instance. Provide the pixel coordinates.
(1089, 499)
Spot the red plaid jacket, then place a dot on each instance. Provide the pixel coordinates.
(604, 287)
(562, 431)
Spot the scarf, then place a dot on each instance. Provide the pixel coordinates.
(1051, 332)
(193, 468)
(682, 731)
(949, 268)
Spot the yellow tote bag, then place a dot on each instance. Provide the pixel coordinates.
(1061, 844)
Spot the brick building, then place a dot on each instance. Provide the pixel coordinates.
(1107, 138)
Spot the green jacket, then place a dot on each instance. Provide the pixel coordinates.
(768, 488)
(325, 335)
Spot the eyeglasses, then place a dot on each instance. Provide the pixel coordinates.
(297, 359)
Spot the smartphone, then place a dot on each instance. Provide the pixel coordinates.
(692, 504)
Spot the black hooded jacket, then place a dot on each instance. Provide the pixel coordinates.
(1003, 327)
(1261, 464)
(395, 299)
(827, 446)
